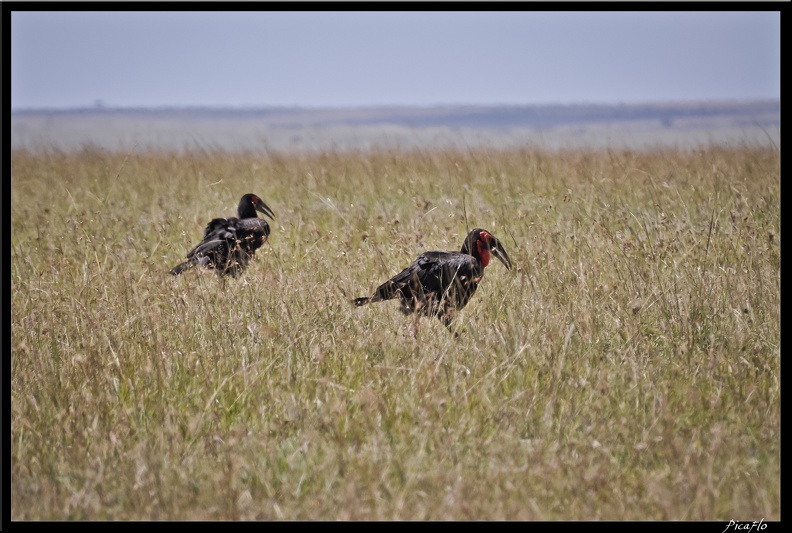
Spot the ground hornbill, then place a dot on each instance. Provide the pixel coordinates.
(438, 283)
(229, 243)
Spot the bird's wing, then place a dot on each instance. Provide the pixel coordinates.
(425, 274)
(219, 232)
(252, 227)
(438, 269)
(217, 223)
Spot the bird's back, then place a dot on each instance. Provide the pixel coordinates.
(432, 273)
(219, 233)
(229, 243)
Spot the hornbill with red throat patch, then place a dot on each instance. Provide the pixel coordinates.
(439, 283)
(229, 243)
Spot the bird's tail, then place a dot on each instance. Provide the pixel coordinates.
(361, 301)
(178, 269)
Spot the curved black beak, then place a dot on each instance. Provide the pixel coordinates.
(264, 208)
(497, 249)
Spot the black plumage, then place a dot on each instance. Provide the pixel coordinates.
(228, 244)
(439, 283)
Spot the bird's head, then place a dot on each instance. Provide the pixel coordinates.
(480, 243)
(250, 203)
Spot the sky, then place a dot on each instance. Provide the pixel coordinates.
(350, 59)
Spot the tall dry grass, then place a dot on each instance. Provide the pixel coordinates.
(628, 367)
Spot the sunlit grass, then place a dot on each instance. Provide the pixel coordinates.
(628, 367)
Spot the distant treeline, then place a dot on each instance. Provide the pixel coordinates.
(760, 113)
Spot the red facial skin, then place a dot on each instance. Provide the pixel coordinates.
(484, 253)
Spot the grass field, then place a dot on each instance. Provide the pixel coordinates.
(626, 368)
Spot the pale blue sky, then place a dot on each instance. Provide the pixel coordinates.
(342, 59)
